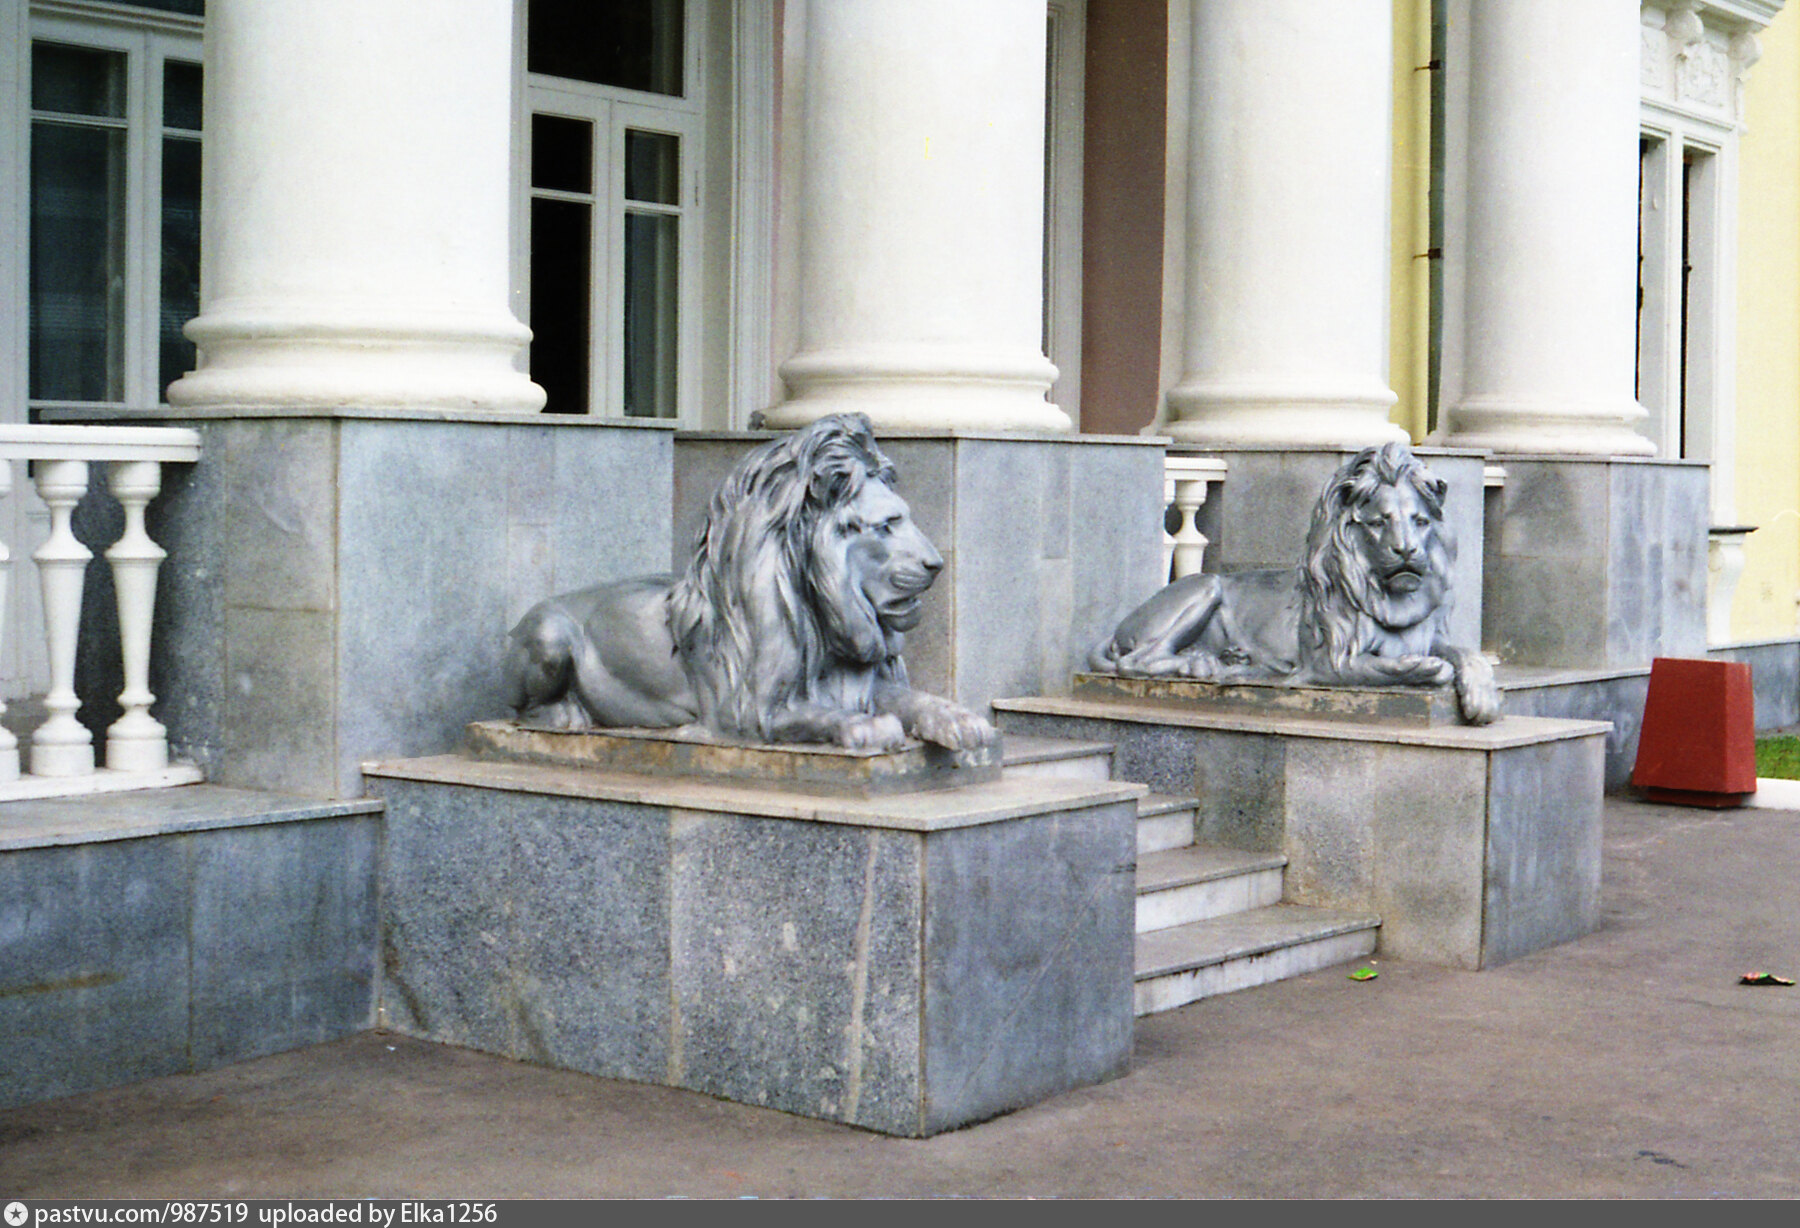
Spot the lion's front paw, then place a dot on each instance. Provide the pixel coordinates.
(952, 726)
(1477, 694)
(882, 732)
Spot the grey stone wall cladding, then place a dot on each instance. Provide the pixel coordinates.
(1047, 543)
(341, 588)
(126, 959)
(1775, 678)
(1597, 563)
(902, 981)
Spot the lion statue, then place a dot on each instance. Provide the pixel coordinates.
(786, 627)
(1369, 606)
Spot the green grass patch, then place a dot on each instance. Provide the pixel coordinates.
(1778, 757)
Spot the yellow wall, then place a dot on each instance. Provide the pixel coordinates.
(1409, 321)
(1768, 336)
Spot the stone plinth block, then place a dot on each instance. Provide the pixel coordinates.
(1258, 516)
(1473, 844)
(1401, 705)
(690, 751)
(172, 930)
(340, 585)
(1698, 746)
(907, 964)
(1596, 563)
(1048, 541)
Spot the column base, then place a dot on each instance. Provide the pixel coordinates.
(1291, 417)
(422, 360)
(1547, 429)
(922, 388)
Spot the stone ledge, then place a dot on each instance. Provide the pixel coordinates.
(158, 812)
(1504, 734)
(935, 810)
(1420, 706)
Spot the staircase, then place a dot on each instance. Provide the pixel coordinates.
(1209, 920)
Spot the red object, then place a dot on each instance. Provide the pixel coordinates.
(1698, 746)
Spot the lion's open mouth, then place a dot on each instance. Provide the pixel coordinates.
(1405, 580)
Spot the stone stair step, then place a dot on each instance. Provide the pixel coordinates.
(1205, 958)
(1029, 757)
(1178, 886)
(1165, 822)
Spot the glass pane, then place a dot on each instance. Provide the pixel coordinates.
(196, 8)
(632, 44)
(652, 248)
(652, 167)
(561, 235)
(77, 80)
(77, 263)
(180, 258)
(181, 95)
(562, 153)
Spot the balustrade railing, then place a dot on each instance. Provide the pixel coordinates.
(1185, 479)
(61, 757)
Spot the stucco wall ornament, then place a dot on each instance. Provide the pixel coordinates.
(787, 626)
(1368, 606)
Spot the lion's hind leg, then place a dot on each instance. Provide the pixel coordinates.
(1163, 637)
(540, 668)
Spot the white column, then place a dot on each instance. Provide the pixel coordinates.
(1289, 146)
(922, 217)
(355, 213)
(62, 746)
(1549, 355)
(136, 742)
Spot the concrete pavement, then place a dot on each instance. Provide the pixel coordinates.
(1629, 1063)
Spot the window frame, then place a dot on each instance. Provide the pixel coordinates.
(613, 110)
(148, 39)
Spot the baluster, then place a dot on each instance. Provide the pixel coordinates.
(1168, 538)
(9, 745)
(1189, 543)
(136, 742)
(62, 746)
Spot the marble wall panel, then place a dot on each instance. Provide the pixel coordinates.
(1543, 848)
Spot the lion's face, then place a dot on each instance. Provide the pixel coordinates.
(1397, 539)
(885, 556)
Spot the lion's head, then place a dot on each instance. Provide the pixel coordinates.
(1378, 559)
(806, 571)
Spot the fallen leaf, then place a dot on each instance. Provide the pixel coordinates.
(1369, 974)
(1764, 978)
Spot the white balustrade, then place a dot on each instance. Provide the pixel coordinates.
(1185, 479)
(62, 759)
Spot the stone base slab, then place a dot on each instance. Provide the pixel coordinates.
(1474, 844)
(1399, 705)
(173, 930)
(689, 751)
(904, 964)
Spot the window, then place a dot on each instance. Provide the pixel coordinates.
(1677, 292)
(612, 150)
(114, 207)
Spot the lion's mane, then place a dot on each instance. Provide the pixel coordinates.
(766, 617)
(1345, 611)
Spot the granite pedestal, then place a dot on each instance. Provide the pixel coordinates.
(1596, 563)
(906, 964)
(172, 930)
(1048, 541)
(1474, 844)
(340, 584)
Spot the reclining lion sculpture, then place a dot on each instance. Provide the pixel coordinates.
(1369, 605)
(787, 626)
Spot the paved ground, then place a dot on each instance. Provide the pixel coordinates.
(1627, 1064)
